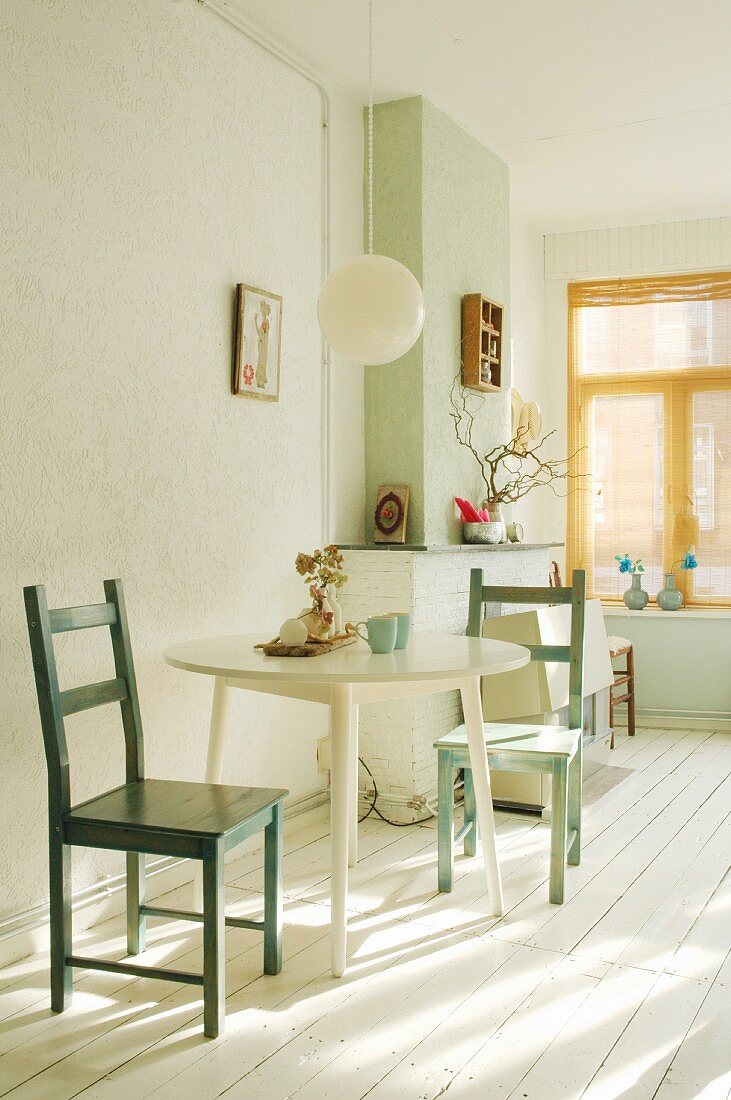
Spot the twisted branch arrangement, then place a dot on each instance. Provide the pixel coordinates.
(504, 482)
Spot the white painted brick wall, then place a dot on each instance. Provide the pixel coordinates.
(397, 737)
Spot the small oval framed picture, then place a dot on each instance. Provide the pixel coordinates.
(389, 518)
(257, 343)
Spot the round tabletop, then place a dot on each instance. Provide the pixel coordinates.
(427, 657)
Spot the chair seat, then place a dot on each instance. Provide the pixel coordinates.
(167, 806)
(618, 645)
(527, 739)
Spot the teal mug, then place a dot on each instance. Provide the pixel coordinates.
(380, 633)
(403, 628)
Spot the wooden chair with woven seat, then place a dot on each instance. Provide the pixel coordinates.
(554, 576)
(623, 678)
(556, 750)
(198, 821)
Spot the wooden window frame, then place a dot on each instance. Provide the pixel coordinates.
(677, 389)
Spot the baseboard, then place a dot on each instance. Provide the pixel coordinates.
(528, 809)
(679, 719)
(26, 933)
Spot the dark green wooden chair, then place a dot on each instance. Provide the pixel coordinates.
(166, 818)
(555, 750)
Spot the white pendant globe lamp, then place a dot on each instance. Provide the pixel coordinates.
(371, 308)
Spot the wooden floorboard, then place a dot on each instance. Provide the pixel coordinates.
(624, 991)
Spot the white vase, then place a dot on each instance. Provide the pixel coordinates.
(337, 623)
(327, 606)
(293, 632)
(314, 623)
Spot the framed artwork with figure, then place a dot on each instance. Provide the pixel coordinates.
(257, 343)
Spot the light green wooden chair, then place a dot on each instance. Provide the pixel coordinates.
(199, 821)
(555, 750)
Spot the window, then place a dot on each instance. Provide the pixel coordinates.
(650, 417)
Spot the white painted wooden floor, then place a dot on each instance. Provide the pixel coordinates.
(624, 991)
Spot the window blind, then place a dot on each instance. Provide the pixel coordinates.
(649, 413)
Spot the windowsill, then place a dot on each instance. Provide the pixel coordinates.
(656, 612)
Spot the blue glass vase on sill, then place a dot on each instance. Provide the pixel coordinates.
(636, 598)
(670, 598)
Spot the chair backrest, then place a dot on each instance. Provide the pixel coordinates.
(572, 654)
(55, 705)
(554, 577)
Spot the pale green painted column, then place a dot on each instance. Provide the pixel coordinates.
(441, 205)
(394, 399)
(466, 246)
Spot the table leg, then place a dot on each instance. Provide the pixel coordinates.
(341, 715)
(220, 709)
(353, 833)
(472, 707)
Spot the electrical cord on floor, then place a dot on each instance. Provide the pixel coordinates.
(373, 808)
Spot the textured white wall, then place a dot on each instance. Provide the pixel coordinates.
(528, 357)
(151, 158)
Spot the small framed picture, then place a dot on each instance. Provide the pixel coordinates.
(258, 343)
(392, 507)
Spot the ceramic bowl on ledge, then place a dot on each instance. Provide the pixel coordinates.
(483, 532)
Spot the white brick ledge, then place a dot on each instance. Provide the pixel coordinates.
(397, 737)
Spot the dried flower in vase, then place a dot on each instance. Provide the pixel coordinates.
(512, 469)
(319, 569)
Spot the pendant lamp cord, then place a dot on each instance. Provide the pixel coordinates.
(370, 127)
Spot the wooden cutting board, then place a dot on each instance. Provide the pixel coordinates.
(307, 649)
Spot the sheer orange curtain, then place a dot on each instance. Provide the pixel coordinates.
(650, 417)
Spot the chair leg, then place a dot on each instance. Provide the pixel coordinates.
(214, 947)
(445, 823)
(136, 896)
(60, 914)
(559, 810)
(470, 814)
(273, 892)
(631, 692)
(611, 715)
(573, 855)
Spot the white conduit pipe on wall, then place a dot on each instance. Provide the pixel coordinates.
(223, 11)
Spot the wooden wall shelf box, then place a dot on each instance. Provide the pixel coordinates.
(482, 338)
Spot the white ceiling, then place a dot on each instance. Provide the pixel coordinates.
(608, 113)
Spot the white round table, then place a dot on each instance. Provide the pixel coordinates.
(342, 680)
